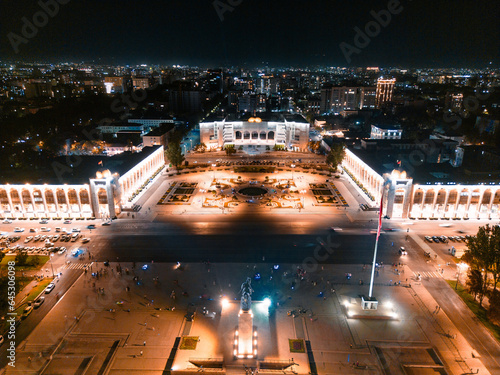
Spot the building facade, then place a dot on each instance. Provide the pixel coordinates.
(341, 99)
(288, 131)
(385, 89)
(103, 197)
(385, 132)
(403, 198)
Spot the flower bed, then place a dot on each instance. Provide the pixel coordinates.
(150, 180)
(359, 184)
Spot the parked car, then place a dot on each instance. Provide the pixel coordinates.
(44, 229)
(67, 221)
(76, 230)
(17, 229)
(402, 251)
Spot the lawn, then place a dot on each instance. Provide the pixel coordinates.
(35, 292)
(189, 342)
(473, 305)
(42, 258)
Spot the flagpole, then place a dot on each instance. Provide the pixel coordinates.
(376, 244)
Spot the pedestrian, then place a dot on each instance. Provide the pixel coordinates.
(141, 353)
(29, 359)
(144, 343)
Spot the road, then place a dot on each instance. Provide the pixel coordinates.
(27, 325)
(253, 236)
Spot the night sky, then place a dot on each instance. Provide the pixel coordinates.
(426, 33)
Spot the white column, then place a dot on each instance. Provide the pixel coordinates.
(45, 203)
(10, 202)
(436, 193)
(79, 202)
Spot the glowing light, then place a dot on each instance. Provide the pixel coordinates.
(350, 313)
(225, 303)
(389, 304)
(267, 302)
(255, 119)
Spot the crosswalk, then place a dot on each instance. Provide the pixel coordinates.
(427, 274)
(76, 266)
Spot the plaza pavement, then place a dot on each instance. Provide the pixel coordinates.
(89, 333)
(101, 341)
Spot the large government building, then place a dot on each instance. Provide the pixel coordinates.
(416, 188)
(286, 130)
(84, 186)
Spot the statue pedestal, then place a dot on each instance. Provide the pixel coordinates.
(245, 336)
(369, 303)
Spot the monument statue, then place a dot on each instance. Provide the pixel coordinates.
(246, 295)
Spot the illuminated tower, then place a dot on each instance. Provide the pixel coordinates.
(385, 88)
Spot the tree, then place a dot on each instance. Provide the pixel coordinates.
(34, 261)
(202, 147)
(21, 258)
(174, 153)
(494, 309)
(484, 253)
(475, 284)
(314, 145)
(230, 150)
(336, 155)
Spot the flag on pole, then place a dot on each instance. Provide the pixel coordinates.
(100, 163)
(380, 215)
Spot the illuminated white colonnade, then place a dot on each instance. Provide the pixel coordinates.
(455, 201)
(45, 200)
(139, 174)
(102, 197)
(404, 198)
(370, 179)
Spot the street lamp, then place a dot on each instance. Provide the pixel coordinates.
(52, 265)
(213, 166)
(460, 266)
(292, 166)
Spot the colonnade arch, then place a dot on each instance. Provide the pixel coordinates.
(478, 201)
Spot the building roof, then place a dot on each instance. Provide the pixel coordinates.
(385, 161)
(264, 116)
(387, 126)
(164, 129)
(78, 169)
